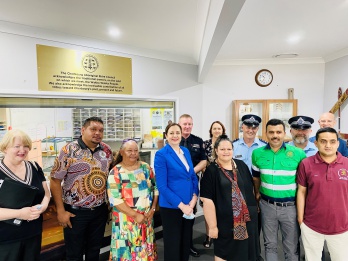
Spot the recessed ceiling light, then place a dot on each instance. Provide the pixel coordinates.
(114, 32)
(285, 55)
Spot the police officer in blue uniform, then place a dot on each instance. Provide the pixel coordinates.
(199, 159)
(301, 128)
(243, 147)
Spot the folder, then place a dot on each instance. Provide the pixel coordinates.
(16, 195)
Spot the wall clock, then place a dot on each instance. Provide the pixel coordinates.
(264, 78)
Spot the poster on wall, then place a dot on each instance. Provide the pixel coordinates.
(65, 70)
(167, 117)
(157, 119)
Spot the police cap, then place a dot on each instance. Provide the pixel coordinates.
(301, 122)
(251, 120)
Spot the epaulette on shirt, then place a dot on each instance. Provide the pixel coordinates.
(239, 139)
(263, 141)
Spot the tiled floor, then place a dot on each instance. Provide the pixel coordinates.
(208, 254)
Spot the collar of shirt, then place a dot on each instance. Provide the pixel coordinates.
(310, 146)
(319, 160)
(84, 146)
(243, 142)
(268, 147)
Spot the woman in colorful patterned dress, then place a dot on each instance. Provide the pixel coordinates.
(133, 195)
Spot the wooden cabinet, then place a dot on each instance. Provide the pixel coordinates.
(35, 154)
(266, 109)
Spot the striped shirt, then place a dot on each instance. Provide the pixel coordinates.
(277, 171)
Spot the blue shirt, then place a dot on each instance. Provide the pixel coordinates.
(242, 152)
(310, 149)
(342, 148)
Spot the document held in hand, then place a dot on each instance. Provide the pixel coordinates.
(16, 195)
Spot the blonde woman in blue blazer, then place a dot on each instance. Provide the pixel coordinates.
(178, 188)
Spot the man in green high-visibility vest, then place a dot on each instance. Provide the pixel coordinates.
(274, 173)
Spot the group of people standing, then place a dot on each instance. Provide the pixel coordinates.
(298, 187)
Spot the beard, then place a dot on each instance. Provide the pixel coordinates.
(300, 139)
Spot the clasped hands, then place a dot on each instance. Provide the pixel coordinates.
(143, 218)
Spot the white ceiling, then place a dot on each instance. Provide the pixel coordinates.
(199, 32)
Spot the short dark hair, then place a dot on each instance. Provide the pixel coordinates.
(222, 137)
(87, 122)
(211, 127)
(326, 129)
(171, 125)
(275, 122)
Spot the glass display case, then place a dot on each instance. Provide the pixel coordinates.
(50, 149)
(266, 109)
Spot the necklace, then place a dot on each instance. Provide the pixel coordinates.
(233, 164)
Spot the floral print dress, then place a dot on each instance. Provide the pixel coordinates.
(129, 240)
(208, 148)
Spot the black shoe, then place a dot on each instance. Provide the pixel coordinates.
(207, 242)
(194, 252)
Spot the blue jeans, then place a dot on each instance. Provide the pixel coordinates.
(86, 234)
(285, 219)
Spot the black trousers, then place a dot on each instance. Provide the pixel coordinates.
(86, 234)
(24, 250)
(177, 235)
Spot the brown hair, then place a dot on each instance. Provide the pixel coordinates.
(171, 125)
(211, 127)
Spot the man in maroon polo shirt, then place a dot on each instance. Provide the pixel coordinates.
(322, 199)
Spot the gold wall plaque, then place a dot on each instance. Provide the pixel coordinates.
(66, 70)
